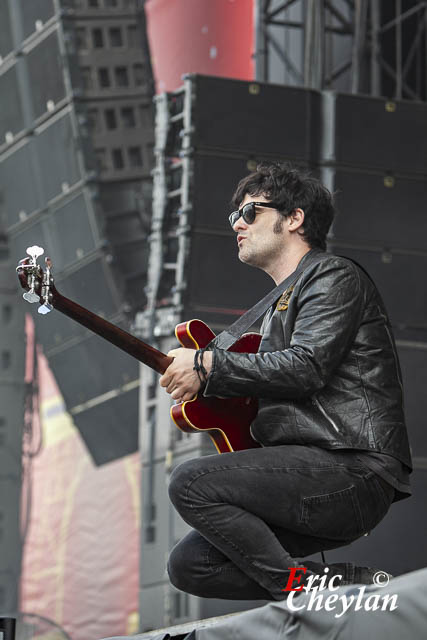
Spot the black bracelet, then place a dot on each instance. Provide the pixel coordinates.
(202, 374)
(196, 367)
(202, 368)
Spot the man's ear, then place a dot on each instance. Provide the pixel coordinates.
(295, 219)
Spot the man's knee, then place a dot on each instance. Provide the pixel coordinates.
(179, 571)
(181, 479)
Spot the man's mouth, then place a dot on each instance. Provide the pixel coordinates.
(240, 239)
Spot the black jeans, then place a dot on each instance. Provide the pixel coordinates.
(255, 511)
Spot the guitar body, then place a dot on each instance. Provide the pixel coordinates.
(226, 420)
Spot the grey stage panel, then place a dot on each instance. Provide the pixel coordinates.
(379, 133)
(248, 116)
(45, 74)
(110, 429)
(45, 165)
(6, 42)
(414, 370)
(380, 210)
(35, 10)
(397, 277)
(11, 112)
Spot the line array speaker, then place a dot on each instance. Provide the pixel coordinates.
(54, 195)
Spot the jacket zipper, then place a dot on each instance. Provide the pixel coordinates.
(323, 412)
(393, 348)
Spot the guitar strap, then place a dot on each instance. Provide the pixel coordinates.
(228, 337)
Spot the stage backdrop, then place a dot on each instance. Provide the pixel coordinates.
(81, 553)
(200, 36)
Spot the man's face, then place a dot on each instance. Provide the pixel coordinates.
(262, 241)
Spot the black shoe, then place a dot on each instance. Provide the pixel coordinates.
(352, 574)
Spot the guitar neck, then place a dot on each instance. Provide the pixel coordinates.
(121, 339)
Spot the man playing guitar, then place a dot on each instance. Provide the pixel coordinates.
(334, 450)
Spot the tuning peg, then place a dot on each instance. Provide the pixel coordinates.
(35, 252)
(45, 308)
(30, 296)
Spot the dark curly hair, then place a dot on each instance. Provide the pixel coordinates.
(291, 189)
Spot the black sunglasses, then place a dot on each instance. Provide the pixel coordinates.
(248, 212)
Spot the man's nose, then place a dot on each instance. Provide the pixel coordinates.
(240, 224)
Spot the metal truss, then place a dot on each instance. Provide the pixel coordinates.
(376, 47)
(170, 226)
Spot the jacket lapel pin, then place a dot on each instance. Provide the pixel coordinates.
(283, 302)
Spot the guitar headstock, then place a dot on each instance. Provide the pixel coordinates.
(38, 283)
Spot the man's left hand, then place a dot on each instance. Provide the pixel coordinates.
(180, 379)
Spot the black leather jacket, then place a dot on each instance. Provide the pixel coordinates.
(327, 371)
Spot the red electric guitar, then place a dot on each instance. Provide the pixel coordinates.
(225, 420)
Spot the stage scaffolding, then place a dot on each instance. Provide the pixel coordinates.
(357, 46)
